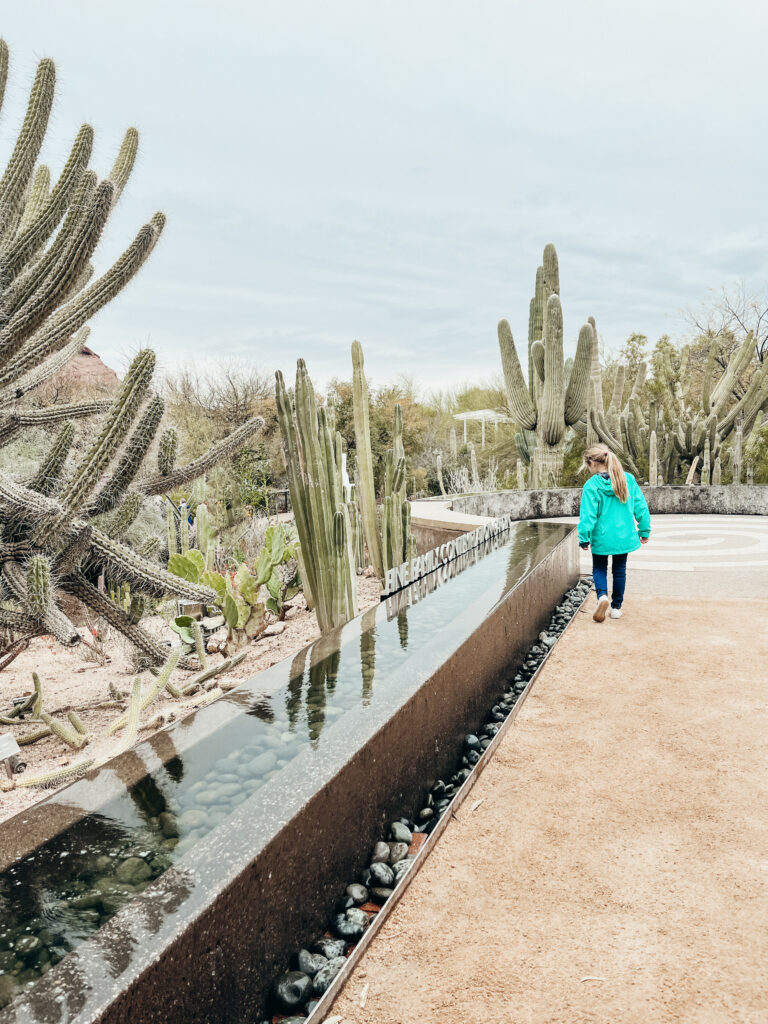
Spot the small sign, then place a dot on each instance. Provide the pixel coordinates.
(8, 746)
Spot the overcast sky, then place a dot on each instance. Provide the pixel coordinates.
(391, 171)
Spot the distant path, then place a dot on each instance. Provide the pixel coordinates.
(616, 870)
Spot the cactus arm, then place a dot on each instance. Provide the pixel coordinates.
(125, 566)
(153, 693)
(10, 426)
(38, 194)
(160, 483)
(136, 448)
(46, 370)
(55, 286)
(49, 473)
(366, 490)
(166, 452)
(552, 426)
(33, 236)
(123, 518)
(102, 605)
(737, 364)
(124, 161)
(85, 305)
(53, 621)
(13, 184)
(551, 272)
(38, 601)
(578, 385)
(115, 427)
(4, 59)
(518, 395)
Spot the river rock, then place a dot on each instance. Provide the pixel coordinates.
(133, 870)
(425, 814)
(397, 851)
(311, 963)
(381, 874)
(400, 833)
(381, 893)
(471, 742)
(401, 867)
(293, 990)
(7, 989)
(168, 826)
(358, 893)
(330, 948)
(324, 978)
(27, 946)
(263, 763)
(351, 924)
(380, 853)
(193, 819)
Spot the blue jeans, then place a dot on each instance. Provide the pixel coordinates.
(618, 571)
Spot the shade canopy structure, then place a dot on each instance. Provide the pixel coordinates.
(481, 416)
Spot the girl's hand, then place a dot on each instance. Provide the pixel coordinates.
(644, 540)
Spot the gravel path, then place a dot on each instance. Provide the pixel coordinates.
(616, 869)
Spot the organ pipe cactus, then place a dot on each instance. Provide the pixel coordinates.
(366, 489)
(71, 515)
(313, 459)
(706, 465)
(546, 405)
(396, 540)
(388, 534)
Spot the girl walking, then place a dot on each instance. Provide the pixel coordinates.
(614, 520)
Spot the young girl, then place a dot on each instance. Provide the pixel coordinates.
(614, 519)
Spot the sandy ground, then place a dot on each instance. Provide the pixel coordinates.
(71, 682)
(616, 870)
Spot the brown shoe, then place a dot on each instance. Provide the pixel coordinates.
(602, 608)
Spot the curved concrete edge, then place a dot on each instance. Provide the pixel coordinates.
(734, 499)
(435, 522)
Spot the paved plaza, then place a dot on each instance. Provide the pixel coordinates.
(610, 864)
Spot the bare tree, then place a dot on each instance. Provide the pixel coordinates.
(732, 316)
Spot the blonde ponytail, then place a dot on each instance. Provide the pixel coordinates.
(602, 456)
(618, 477)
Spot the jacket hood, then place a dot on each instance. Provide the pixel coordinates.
(602, 485)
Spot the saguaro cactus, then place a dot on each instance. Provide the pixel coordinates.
(547, 407)
(314, 458)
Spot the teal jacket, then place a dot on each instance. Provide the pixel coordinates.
(612, 527)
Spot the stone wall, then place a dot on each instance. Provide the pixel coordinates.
(737, 500)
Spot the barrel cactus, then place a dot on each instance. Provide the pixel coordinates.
(545, 404)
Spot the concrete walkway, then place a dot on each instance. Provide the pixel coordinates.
(611, 864)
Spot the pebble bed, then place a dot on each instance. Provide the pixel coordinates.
(297, 992)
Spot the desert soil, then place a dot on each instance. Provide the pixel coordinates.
(71, 682)
(616, 868)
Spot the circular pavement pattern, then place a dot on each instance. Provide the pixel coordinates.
(701, 543)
